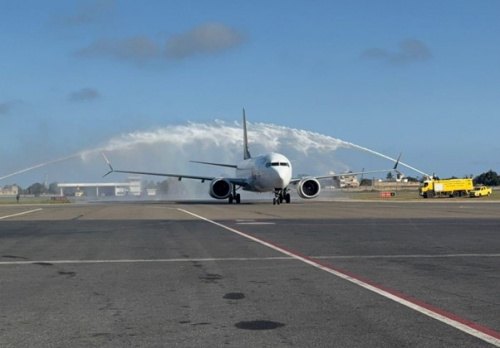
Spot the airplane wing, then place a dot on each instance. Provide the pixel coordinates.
(296, 180)
(216, 164)
(235, 181)
(393, 169)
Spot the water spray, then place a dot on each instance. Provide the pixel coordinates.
(39, 165)
(222, 142)
(386, 157)
(269, 137)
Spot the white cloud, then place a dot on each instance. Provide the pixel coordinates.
(138, 49)
(84, 94)
(6, 107)
(87, 12)
(207, 38)
(409, 51)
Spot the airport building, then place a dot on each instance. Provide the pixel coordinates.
(345, 181)
(132, 187)
(9, 190)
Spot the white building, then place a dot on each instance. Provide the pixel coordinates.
(132, 187)
(345, 181)
(9, 190)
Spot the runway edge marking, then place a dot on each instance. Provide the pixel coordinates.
(18, 214)
(467, 326)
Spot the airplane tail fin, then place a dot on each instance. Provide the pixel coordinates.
(246, 153)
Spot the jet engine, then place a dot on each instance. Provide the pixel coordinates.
(220, 188)
(308, 188)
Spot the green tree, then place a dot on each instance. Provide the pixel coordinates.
(148, 184)
(53, 189)
(490, 178)
(366, 182)
(412, 179)
(36, 189)
(389, 176)
(162, 187)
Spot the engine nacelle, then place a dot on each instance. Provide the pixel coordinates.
(308, 188)
(220, 188)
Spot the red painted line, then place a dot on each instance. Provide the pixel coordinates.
(481, 332)
(415, 301)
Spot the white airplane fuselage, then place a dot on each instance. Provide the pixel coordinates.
(265, 173)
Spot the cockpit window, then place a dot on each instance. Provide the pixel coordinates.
(277, 164)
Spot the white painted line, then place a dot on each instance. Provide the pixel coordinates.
(256, 223)
(18, 214)
(60, 262)
(450, 319)
(415, 256)
(215, 259)
(253, 222)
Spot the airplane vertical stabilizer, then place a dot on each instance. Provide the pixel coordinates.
(246, 153)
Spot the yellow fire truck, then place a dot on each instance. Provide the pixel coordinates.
(445, 188)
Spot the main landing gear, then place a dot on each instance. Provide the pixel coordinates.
(281, 195)
(234, 196)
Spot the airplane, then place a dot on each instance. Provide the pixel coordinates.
(271, 172)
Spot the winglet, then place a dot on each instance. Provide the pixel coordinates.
(109, 164)
(397, 162)
(399, 175)
(246, 153)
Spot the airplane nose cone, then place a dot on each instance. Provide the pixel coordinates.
(280, 183)
(280, 179)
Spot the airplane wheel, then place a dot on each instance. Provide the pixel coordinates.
(238, 198)
(274, 201)
(230, 199)
(287, 198)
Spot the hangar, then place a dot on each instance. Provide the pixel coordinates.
(132, 187)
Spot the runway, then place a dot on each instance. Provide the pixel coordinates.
(306, 274)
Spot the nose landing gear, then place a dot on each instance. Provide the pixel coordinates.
(281, 195)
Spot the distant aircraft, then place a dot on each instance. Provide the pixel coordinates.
(271, 172)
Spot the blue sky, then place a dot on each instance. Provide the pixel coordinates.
(418, 77)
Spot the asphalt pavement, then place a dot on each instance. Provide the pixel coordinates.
(306, 274)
